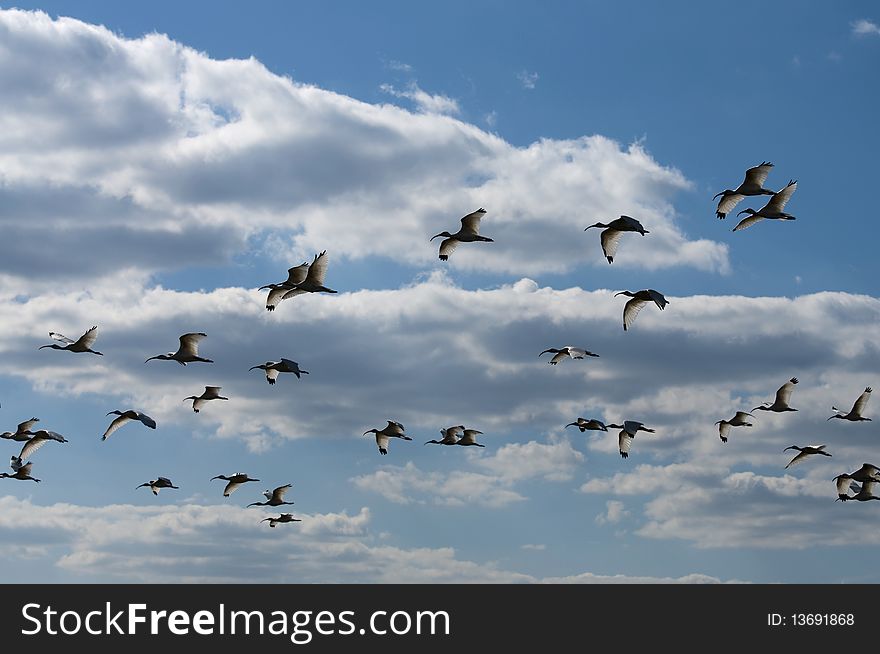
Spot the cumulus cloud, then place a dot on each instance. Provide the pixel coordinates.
(865, 27)
(152, 153)
(614, 513)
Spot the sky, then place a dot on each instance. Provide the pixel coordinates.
(159, 162)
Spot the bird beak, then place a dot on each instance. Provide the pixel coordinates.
(742, 212)
(433, 237)
(253, 368)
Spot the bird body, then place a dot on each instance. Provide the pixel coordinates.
(753, 184)
(592, 424)
(773, 210)
(314, 279)
(187, 352)
(234, 480)
(804, 452)
(274, 497)
(383, 436)
(274, 368)
(569, 351)
(210, 393)
(739, 420)
(855, 414)
(450, 436)
(613, 231)
(470, 438)
(284, 517)
(124, 418)
(157, 484)
(640, 299)
(469, 232)
(22, 432)
(82, 344)
(21, 471)
(783, 398)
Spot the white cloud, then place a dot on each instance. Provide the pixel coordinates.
(425, 102)
(162, 158)
(614, 513)
(865, 27)
(527, 79)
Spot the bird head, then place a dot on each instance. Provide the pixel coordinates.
(627, 293)
(371, 431)
(751, 212)
(446, 234)
(596, 225)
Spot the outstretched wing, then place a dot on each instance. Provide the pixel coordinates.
(278, 493)
(88, 339)
(610, 239)
(758, 175)
(727, 203)
(189, 343)
(860, 404)
(778, 200)
(631, 310)
(297, 274)
(798, 459)
(723, 430)
(382, 442)
(447, 247)
(116, 424)
(26, 425)
(31, 446)
(783, 395)
(471, 222)
(747, 222)
(146, 420)
(318, 269)
(61, 338)
(624, 441)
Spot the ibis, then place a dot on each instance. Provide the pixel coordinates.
(469, 232)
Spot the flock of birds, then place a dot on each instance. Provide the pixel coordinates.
(310, 278)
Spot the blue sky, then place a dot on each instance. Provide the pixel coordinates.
(154, 173)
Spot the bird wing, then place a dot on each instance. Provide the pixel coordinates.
(211, 392)
(860, 404)
(799, 458)
(189, 343)
(61, 338)
(728, 202)
(447, 246)
(624, 441)
(559, 356)
(25, 470)
(297, 274)
(116, 424)
(778, 200)
(276, 295)
(26, 425)
(146, 420)
(471, 222)
(741, 416)
(394, 427)
(32, 446)
(631, 310)
(610, 239)
(278, 493)
(868, 469)
(758, 175)
(272, 374)
(867, 486)
(163, 481)
(842, 485)
(783, 395)
(318, 269)
(382, 441)
(748, 221)
(231, 487)
(658, 298)
(88, 339)
(724, 429)
(291, 366)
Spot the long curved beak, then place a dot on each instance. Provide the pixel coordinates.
(151, 358)
(253, 368)
(742, 212)
(717, 194)
(438, 235)
(42, 346)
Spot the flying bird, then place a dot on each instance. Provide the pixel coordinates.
(868, 472)
(126, 417)
(469, 232)
(383, 436)
(284, 517)
(804, 453)
(863, 493)
(37, 441)
(783, 397)
(450, 436)
(592, 424)
(855, 414)
(274, 498)
(773, 210)
(187, 352)
(295, 275)
(20, 472)
(235, 481)
(158, 484)
(613, 231)
(470, 438)
(628, 431)
(82, 344)
(22, 432)
(739, 420)
(211, 393)
(567, 352)
(753, 184)
(314, 280)
(640, 299)
(274, 368)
